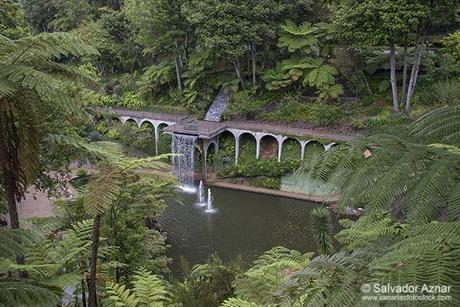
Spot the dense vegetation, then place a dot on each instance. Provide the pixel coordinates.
(389, 67)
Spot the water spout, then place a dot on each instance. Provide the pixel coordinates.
(201, 198)
(209, 208)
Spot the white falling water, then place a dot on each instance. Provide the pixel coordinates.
(209, 208)
(201, 197)
(218, 106)
(183, 163)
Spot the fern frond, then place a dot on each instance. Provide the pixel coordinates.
(441, 125)
(119, 296)
(14, 242)
(236, 302)
(18, 293)
(149, 289)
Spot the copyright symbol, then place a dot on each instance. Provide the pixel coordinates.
(365, 288)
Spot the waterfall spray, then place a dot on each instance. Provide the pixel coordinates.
(183, 164)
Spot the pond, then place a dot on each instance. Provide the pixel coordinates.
(245, 224)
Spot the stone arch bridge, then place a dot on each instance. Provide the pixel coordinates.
(210, 132)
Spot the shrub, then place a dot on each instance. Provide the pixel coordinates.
(244, 104)
(81, 172)
(269, 168)
(273, 183)
(441, 93)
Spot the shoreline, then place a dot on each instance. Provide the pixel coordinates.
(301, 196)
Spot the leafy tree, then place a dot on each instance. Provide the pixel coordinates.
(102, 192)
(12, 20)
(161, 27)
(138, 204)
(390, 23)
(70, 14)
(28, 80)
(224, 26)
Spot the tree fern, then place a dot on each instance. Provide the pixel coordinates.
(118, 295)
(18, 293)
(269, 272)
(30, 75)
(14, 242)
(148, 290)
(440, 125)
(298, 37)
(322, 230)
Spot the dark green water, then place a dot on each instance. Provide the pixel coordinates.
(246, 224)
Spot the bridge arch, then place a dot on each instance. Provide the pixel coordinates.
(293, 145)
(238, 134)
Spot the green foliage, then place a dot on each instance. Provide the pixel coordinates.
(268, 274)
(302, 37)
(269, 168)
(148, 290)
(19, 293)
(320, 75)
(452, 45)
(244, 104)
(156, 76)
(293, 110)
(286, 73)
(322, 230)
(273, 183)
(442, 93)
(209, 284)
(12, 20)
(441, 125)
(236, 302)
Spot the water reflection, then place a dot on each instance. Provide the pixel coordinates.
(247, 224)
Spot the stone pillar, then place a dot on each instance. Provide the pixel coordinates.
(157, 137)
(328, 146)
(303, 144)
(237, 147)
(258, 139)
(205, 162)
(123, 119)
(280, 140)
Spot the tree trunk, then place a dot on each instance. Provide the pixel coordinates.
(178, 76)
(404, 77)
(394, 85)
(254, 64)
(414, 73)
(83, 293)
(92, 294)
(236, 63)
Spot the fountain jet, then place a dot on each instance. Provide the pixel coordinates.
(201, 197)
(209, 208)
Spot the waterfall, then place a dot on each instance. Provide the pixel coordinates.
(184, 146)
(218, 106)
